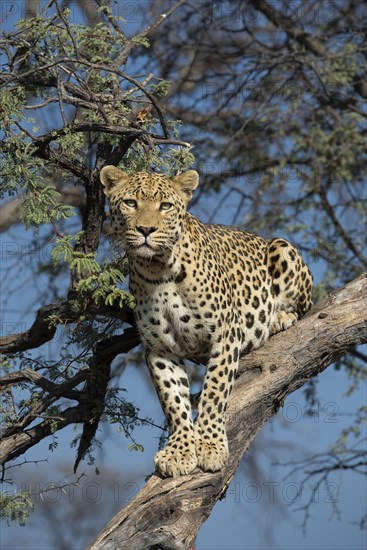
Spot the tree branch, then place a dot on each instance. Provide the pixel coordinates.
(15, 439)
(17, 444)
(339, 228)
(167, 513)
(285, 23)
(38, 334)
(122, 58)
(310, 42)
(41, 331)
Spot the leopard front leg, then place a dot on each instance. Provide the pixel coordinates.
(210, 430)
(172, 385)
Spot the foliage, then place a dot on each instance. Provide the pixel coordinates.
(172, 162)
(85, 111)
(15, 507)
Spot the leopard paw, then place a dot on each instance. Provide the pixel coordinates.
(176, 459)
(283, 321)
(212, 455)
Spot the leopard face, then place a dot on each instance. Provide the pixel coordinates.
(148, 210)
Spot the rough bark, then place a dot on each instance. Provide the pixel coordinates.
(167, 513)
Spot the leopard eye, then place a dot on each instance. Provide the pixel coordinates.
(166, 206)
(130, 203)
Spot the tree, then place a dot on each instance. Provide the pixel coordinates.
(270, 101)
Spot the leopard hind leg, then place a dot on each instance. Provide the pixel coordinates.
(291, 285)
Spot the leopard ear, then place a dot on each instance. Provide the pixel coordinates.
(187, 182)
(111, 177)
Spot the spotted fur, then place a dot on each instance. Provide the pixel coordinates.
(204, 292)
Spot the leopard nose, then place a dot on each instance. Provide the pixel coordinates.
(145, 230)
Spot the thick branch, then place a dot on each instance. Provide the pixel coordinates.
(39, 333)
(167, 513)
(285, 23)
(42, 331)
(16, 444)
(115, 129)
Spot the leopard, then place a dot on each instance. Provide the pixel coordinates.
(205, 293)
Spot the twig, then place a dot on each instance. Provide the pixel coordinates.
(146, 32)
(330, 212)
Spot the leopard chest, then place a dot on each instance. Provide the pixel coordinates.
(174, 321)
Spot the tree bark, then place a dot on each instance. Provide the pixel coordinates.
(167, 513)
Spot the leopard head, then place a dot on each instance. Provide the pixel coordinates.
(148, 210)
